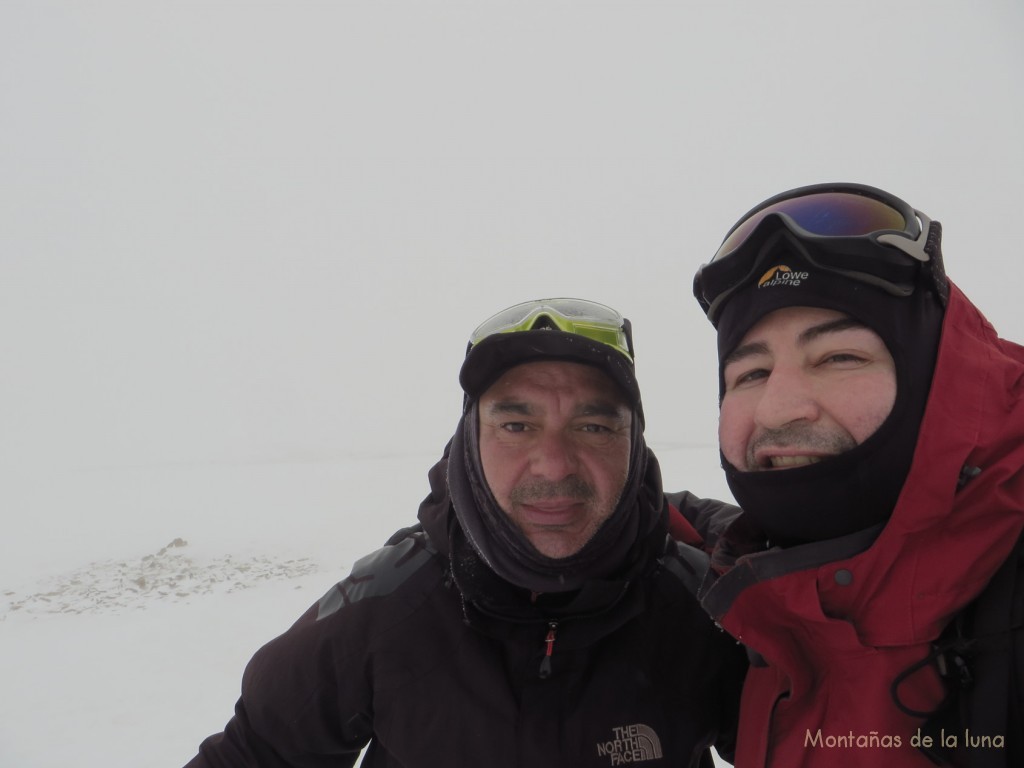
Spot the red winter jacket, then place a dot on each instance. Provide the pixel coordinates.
(835, 623)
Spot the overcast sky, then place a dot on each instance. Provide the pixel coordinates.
(240, 232)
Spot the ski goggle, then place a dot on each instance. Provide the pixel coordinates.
(846, 228)
(577, 316)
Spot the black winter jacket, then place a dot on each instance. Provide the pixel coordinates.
(402, 658)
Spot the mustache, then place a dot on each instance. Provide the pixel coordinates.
(799, 435)
(539, 490)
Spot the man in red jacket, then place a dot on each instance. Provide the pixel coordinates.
(872, 430)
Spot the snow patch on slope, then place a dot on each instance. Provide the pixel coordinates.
(168, 575)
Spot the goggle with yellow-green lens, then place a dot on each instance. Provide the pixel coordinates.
(576, 316)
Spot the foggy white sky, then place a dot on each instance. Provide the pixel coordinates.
(254, 231)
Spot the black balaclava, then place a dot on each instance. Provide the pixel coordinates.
(615, 547)
(859, 488)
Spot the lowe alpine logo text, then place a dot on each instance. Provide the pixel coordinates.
(631, 744)
(782, 275)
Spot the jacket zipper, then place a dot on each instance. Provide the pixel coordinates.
(549, 641)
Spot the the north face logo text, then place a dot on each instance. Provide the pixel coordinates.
(631, 744)
(781, 275)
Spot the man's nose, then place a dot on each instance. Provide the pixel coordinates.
(554, 456)
(787, 396)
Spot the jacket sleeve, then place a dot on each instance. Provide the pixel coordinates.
(305, 700)
(709, 516)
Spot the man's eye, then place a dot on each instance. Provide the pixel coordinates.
(843, 357)
(748, 377)
(514, 426)
(596, 428)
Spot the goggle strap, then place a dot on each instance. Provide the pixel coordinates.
(926, 249)
(936, 267)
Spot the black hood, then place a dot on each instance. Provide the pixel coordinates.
(859, 488)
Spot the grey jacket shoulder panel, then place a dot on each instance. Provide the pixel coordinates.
(380, 573)
(688, 564)
(710, 517)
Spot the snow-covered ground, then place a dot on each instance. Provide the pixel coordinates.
(126, 646)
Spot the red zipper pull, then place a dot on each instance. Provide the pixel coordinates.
(549, 641)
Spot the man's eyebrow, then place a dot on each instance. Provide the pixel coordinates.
(609, 409)
(514, 407)
(746, 350)
(833, 326)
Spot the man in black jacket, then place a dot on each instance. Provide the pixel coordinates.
(538, 615)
